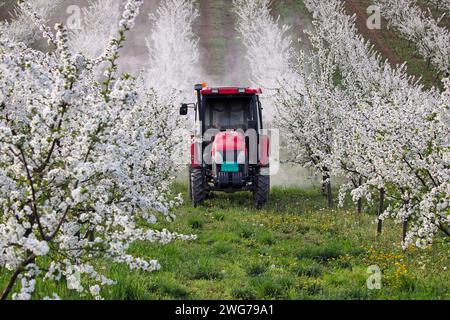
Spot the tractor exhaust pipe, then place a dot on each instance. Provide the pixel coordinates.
(198, 88)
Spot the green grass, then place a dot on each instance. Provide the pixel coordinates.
(293, 249)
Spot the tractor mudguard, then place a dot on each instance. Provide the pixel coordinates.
(196, 161)
(264, 149)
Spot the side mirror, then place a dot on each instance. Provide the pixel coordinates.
(184, 109)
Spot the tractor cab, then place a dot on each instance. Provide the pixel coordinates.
(228, 153)
(228, 114)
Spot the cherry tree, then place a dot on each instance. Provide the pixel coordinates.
(376, 126)
(269, 48)
(441, 5)
(97, 26)
(80, 164)
(393, 134)
(308, 111)
(300, 86)
(22, 28)
(172, 69)
(173, 48)
(418, 26)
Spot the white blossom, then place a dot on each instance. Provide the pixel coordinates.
(392, 133)
(432, 41)
(81, 162)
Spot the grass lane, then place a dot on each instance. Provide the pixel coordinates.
(294, 249)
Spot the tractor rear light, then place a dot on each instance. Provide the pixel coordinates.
(253, 90)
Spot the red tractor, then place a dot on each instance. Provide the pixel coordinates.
(228, 151)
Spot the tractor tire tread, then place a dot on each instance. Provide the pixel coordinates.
(261, 193)
(198, 189)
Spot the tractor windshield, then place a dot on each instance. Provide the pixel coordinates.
(226, 114)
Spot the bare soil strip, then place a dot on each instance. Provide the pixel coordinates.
(372, 35)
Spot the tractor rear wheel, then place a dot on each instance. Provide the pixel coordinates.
(190, 185)
(261, 191)
(197, 186)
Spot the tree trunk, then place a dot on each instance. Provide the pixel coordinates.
(326, 186)
(91, 236)
(445, 230)
(13, 279)
(405, 229)
(11, 283)
(360, 204)
(380, 211)
(329, 195)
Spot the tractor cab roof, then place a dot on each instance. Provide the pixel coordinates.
(206, 91)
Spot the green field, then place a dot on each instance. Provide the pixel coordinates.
(293, 249)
